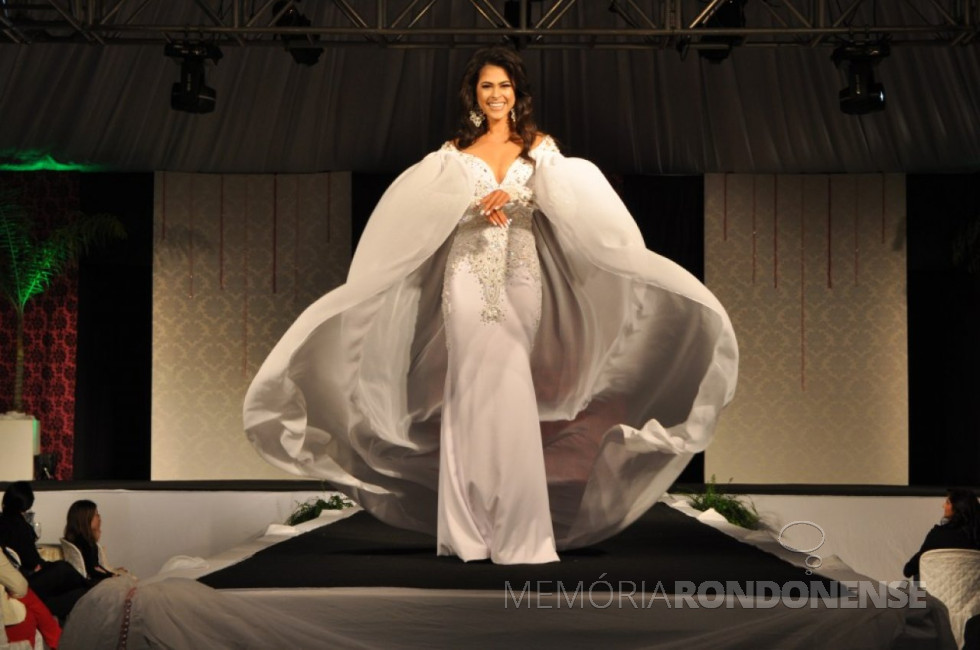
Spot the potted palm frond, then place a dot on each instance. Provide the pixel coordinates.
(32, 258)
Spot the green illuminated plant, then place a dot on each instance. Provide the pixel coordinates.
(30, 262)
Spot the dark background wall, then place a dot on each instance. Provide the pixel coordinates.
(944, 330)
(115, 312)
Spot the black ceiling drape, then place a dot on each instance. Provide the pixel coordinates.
(763, 110)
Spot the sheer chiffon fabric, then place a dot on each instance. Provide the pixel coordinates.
(631, 362)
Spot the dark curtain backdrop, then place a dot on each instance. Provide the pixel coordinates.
(670, 213)
(115, 311)
(641, 111)
(943, 331)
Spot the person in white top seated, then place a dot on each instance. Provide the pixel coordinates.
(23, 612)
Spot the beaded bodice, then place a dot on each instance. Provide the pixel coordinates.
(492, 253)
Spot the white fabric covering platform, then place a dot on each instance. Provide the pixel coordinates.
(173, 610)
(182, 613)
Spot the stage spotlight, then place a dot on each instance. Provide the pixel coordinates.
(729, 14)
(297, 46)
(191, 94)
(858, 60)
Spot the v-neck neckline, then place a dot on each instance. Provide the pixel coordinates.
(489, 167)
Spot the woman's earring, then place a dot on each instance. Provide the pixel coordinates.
(513, 116)
(476, 118)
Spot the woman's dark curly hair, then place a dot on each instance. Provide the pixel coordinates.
(522, 129)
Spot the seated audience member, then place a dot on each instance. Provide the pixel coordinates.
(23, 612)
(57, 584)
(960, 528)
(84, 529)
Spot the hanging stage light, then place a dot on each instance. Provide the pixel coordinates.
(298, 46)
(191, 94)
(731, 15)
(726, 14)
(858, 60)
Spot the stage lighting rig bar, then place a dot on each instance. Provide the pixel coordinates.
(439, 24)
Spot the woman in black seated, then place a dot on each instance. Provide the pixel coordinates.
(57, 584)
(84, 529)
(960, 528)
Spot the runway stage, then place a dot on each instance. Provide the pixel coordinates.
(664, 546)
(358, 583)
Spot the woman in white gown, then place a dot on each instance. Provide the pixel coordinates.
(493, 491)
(507, 366)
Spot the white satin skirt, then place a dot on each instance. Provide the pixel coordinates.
(493, 490)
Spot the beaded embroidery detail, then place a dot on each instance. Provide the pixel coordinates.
(127, 617)
(494, 254)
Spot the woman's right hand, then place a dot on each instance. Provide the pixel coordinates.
(492, 207)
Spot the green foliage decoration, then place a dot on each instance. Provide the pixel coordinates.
(728, 506)
(30, 261)
(311, 508)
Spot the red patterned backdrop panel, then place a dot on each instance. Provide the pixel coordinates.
(50, 326)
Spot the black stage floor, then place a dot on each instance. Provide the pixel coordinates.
(663, 546)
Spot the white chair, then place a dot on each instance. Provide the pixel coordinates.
(952, 575)
(74, 557)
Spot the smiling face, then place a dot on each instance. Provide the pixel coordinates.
(495, 93)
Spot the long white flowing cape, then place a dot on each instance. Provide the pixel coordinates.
(633, 361)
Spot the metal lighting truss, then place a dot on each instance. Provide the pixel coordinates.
(437, 24)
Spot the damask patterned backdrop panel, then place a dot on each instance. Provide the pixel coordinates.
(50, 324)
(812, 271)
(236, 259)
